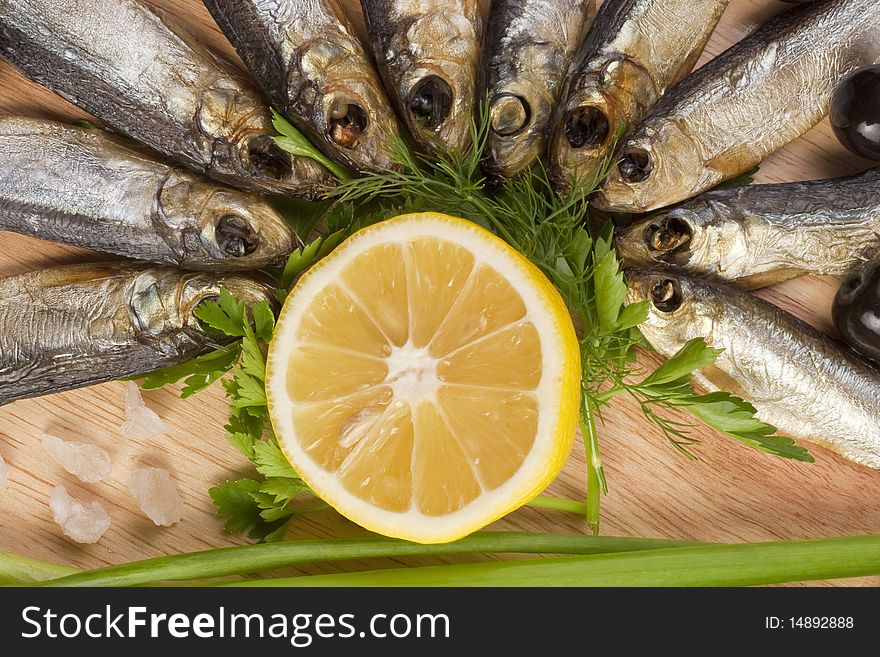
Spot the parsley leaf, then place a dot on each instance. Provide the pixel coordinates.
(250, 391)
(199, 373)
(294, 142)
(692, 356)
(609, 290)
(305, 257)
(249, 509)
(253, 363)
(233, 501)
(271, 462)
(249, 421)
(283, 490)
(304, 216)
(264, 321)
(243, 442)
(226, 316)
(735, 417)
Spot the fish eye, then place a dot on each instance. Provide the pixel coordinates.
(586, 126)
(235, 236)
(509, 115)
(666, 296)
(430, 101)
(636, 165)
(668, 235)
(267, 158)
(347, 122)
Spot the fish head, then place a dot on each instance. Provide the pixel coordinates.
(582, 139)
(704, 237)
(657, 166)
(238, 131)
(356, 119)
(334, 96)
(212, 227)
(520, 109)
(663, 239)
(516, 130)
(678, 308)
(257, 158)
(609, 95)
(429, 100)
(164, 299)
(436, 102)
(438, 77)
(244, 231)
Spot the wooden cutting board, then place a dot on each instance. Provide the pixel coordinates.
(729, 493)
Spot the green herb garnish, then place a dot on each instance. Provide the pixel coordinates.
(264, 508)
(294, 142)
(604, 561)
(556, 232)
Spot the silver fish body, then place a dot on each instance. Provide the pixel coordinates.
(74, 326)
(428, 52)
(763, 234)
(799, 380)
(748, 102)
(313, 67)
(126, 64)
(527, 52)
(635, 51)
(87, 188)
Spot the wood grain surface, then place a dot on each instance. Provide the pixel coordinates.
(730, 493)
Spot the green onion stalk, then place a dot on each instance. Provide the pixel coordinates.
(585, 561)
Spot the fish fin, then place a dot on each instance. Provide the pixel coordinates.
(767, 278)
(713, 378)
(734, 161)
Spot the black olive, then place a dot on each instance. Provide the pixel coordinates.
(855, 112)
(857, 309)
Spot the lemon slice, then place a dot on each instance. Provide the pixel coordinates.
(424, 378)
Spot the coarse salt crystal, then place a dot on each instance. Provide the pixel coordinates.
(141, 422)
(82, 523)
(89, 463)
(157, 495)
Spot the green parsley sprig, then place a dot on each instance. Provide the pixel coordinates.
(264, 508)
